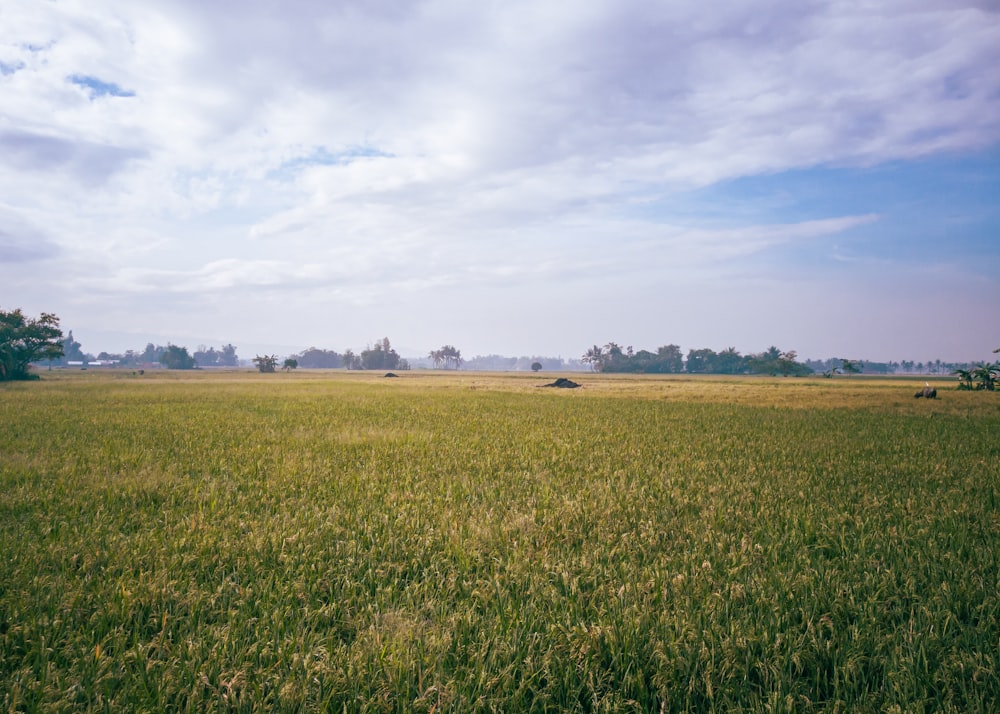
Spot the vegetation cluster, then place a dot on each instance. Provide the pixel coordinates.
(670, 360)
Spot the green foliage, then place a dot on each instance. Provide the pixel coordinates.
(72, 350)
(982, 377)
(850, 366)
(644, 544)
(536, 366)
(290, 363)
(775, 362)
(266, 363)
(314, 358)
(210, 357)
(175, 357)
(613, 359)
(24, 340)
(380, 356)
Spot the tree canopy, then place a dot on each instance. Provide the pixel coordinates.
(447, 355)
(380, 356)
(24, 340)
(175, 357)
(266, 363)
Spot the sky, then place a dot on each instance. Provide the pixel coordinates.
(521, 178)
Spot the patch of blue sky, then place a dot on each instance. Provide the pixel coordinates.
(6, 69)
(322, 156)
(946, 203)
(99, 88)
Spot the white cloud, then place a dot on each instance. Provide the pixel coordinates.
(334, 151)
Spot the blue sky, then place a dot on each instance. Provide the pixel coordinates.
(516, 178)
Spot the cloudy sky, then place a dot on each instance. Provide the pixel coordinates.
(518, 177)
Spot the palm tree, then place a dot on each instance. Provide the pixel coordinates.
(986, 376)
(964, 379)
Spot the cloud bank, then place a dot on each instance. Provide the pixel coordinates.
(299, 161)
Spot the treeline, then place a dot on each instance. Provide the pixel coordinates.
(669, 359)
(379, 356)
(170, 356)
(611, 358)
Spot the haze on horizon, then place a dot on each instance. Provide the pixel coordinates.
(514, 178)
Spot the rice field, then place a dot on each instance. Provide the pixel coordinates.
(312, 541)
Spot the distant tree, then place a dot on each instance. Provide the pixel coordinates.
(595, 358)
(986, 376)
(152, 352)
(206, 356)
(175, 357)
(729, 361)
(643, 361)
(787, 365)
(850, 366)
(536, 366)
(290, 363)
(700, 361)
(228, 357)
(447, 355)
(24, 340)
(766, 362)
(380, 356)
(72, 351)
(669, 360)
(314, 358)
(266, 363)
(965, 379)
(615, 359)
(351, 360)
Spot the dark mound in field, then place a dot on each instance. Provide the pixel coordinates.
(928, 392)
(390, 374)
(562, 383)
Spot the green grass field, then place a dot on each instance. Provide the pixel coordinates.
(343, 542)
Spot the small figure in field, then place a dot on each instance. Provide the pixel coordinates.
(928, 391)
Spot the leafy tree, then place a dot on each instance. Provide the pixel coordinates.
(536, 366)
(351, 360)
(25, 340)
(380, 356)
(290, 363)
(766, 362)
(669, 360)
(701, 361)
(615, 359)
(730, 361)
(72, 350)
(266, 363)
(787, 365)
(228, 357)
(175, 357)
(595, 358)
(211, 357)
(850, 366)
(314, 358)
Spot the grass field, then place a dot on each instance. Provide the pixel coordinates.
(341, 541)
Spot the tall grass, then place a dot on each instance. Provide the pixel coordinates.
(305, 542)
